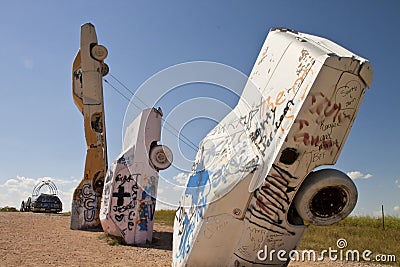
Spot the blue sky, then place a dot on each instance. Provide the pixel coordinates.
(42, 131)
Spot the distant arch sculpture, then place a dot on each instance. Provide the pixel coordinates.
(50, 184)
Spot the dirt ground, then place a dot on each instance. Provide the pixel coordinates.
(34, 239)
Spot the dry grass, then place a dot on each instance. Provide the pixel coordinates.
(361, 233)
(110, 240)
(165, 217)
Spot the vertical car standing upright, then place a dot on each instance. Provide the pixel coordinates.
(88, 70)
(130, 190)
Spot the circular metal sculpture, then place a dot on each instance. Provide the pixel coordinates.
(50, 184)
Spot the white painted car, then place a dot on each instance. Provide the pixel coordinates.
(254, 182)
(130, 189)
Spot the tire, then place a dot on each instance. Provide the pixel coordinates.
(161, 157)
(99, 52)
(326, 197)
(104, 69)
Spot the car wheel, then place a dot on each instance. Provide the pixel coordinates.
(104, 69)
(99, 52)
(161, 157)
(326, 197)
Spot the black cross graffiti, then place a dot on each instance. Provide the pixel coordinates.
(120, 195)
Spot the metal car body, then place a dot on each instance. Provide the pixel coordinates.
(88, 70)
(254, 182)
(46, 203)
(130, 189)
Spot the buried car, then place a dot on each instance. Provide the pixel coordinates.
(256, 181)
(130, 190)
(88, 69)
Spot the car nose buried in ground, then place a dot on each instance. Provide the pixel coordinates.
(255, 181)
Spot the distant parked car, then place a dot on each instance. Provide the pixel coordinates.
(46, 203)
(49, 203)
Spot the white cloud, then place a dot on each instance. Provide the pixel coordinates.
(367, 176)
(11, 183)
(181, 178)
(396, 208)
(358, 175)
(15, 190)
(397, 182)
(20, 182)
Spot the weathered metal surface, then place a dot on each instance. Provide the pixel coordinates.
(294, 115)
(130, 190)
(87, 89)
